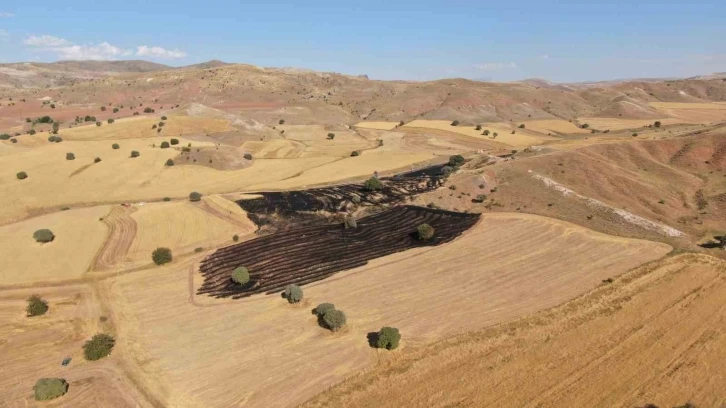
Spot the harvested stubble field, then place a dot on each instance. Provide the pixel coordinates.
(310, 254)
(520, 139)
(507, 266)
(653, 336)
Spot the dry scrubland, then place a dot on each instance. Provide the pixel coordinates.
(140, 127)
(513, 264)
(521, 138)
(377, 125)
(652, 336)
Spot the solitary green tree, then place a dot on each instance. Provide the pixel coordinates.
(293, 293)
(49, 388)
(240, 275)
(36, 306)
(425, 232)
(388, 338)
(98, 347)
(161, 256)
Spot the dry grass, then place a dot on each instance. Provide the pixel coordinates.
(78, 236)
(522, 137)
(510, 265)
(681, 105)
(622, 124)
(554, 126)
(139, 127)
(651, 337)
(377, 125)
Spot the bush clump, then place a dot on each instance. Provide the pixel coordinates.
(331, 136)
(373, 184)
(323, 308)
(98, 347)
(161, 256)
(22, 175)
(334, 319)
(240, 275)
(169, 163)
(55, 139)
(70, 156)
(110, 120)
(115, 146)
(456, 160)
(50, 388)
(43, 235)
(293, 293)
(455, 123)
(174, 142)
(36, 306)
(446, 171)
(248, 156)
(355, 153)
(235, 237)
(135, 153)
(425, 232)
(148, 110)
(163, 118)
(388, 338)
(164, 145)
(194, 196)
(97, 160)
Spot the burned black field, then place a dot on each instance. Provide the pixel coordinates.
(308, 254)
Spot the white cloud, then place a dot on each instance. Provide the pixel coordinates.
(6, 14)
(493, 66)
(144, 51)
(101, 52)
(45, 41)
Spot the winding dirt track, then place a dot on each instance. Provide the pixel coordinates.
(122, 231)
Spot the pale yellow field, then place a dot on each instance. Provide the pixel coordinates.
(554, 126)
(693, 112)
(183, 226)
(312, 141)
(522, 137)
(140, 127)
(622, 124)
(510, 265)
(78, 236)
(377, 125)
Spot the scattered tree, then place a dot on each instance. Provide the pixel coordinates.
(455, 123)
(323, 308)
(585, 126)
(169, 163)
(194, 196)
(486, 132)
(36, 306)
(456, 160)
(163, 118)
(115, 110)
(240, 275)
(446, 171)
(657, 123)
(103, 109)
(49, 388)
(135, 153)
(165, 145)
(98, 123)
(70, 156)
(98, 347)
(235, 237)
(115, 146)
(373, 184)
(248, 156)
(331, 136)
(161, 256)
(355, 153)
(43, 235)
(478, 127)
(148, 110)
(110, 120)
(281, 122)
(425, 232)
(334, 319)
(97, 160)
(22, 175)
(388, 338)
(174, 142)
(293, 293)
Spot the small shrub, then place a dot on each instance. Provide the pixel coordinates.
(22, 175)
(135, 153)
(97, 160)
(167, 199)
(456, 160)
(43, 235)
(163, 118)
(485, 132)
(103, 108)
(169, 163)
(31, 132)
(194, 196)
(281, 122)
(148, 110)
(478, 127)
(388, 338)
(585, 126)
(334, 319)
(521, 126)
(98, 123)
(36, 306)
(110, 120)
(98, 347)
(164, 145)
(115, 110)
(70, 156)
(373, 184)
(455, 123)
(240, 275)
(161, 256)
(174, 142)
(49, 388)
(248, 156)
(331, 136)
(657, 123)
(323, 308)
(293, 293)
(355, 153)
(425, 232)
(635, 135)
(115, 146)
(235, 237)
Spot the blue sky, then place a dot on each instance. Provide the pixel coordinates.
(419, 40)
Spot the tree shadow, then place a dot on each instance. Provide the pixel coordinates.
(372, 339)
